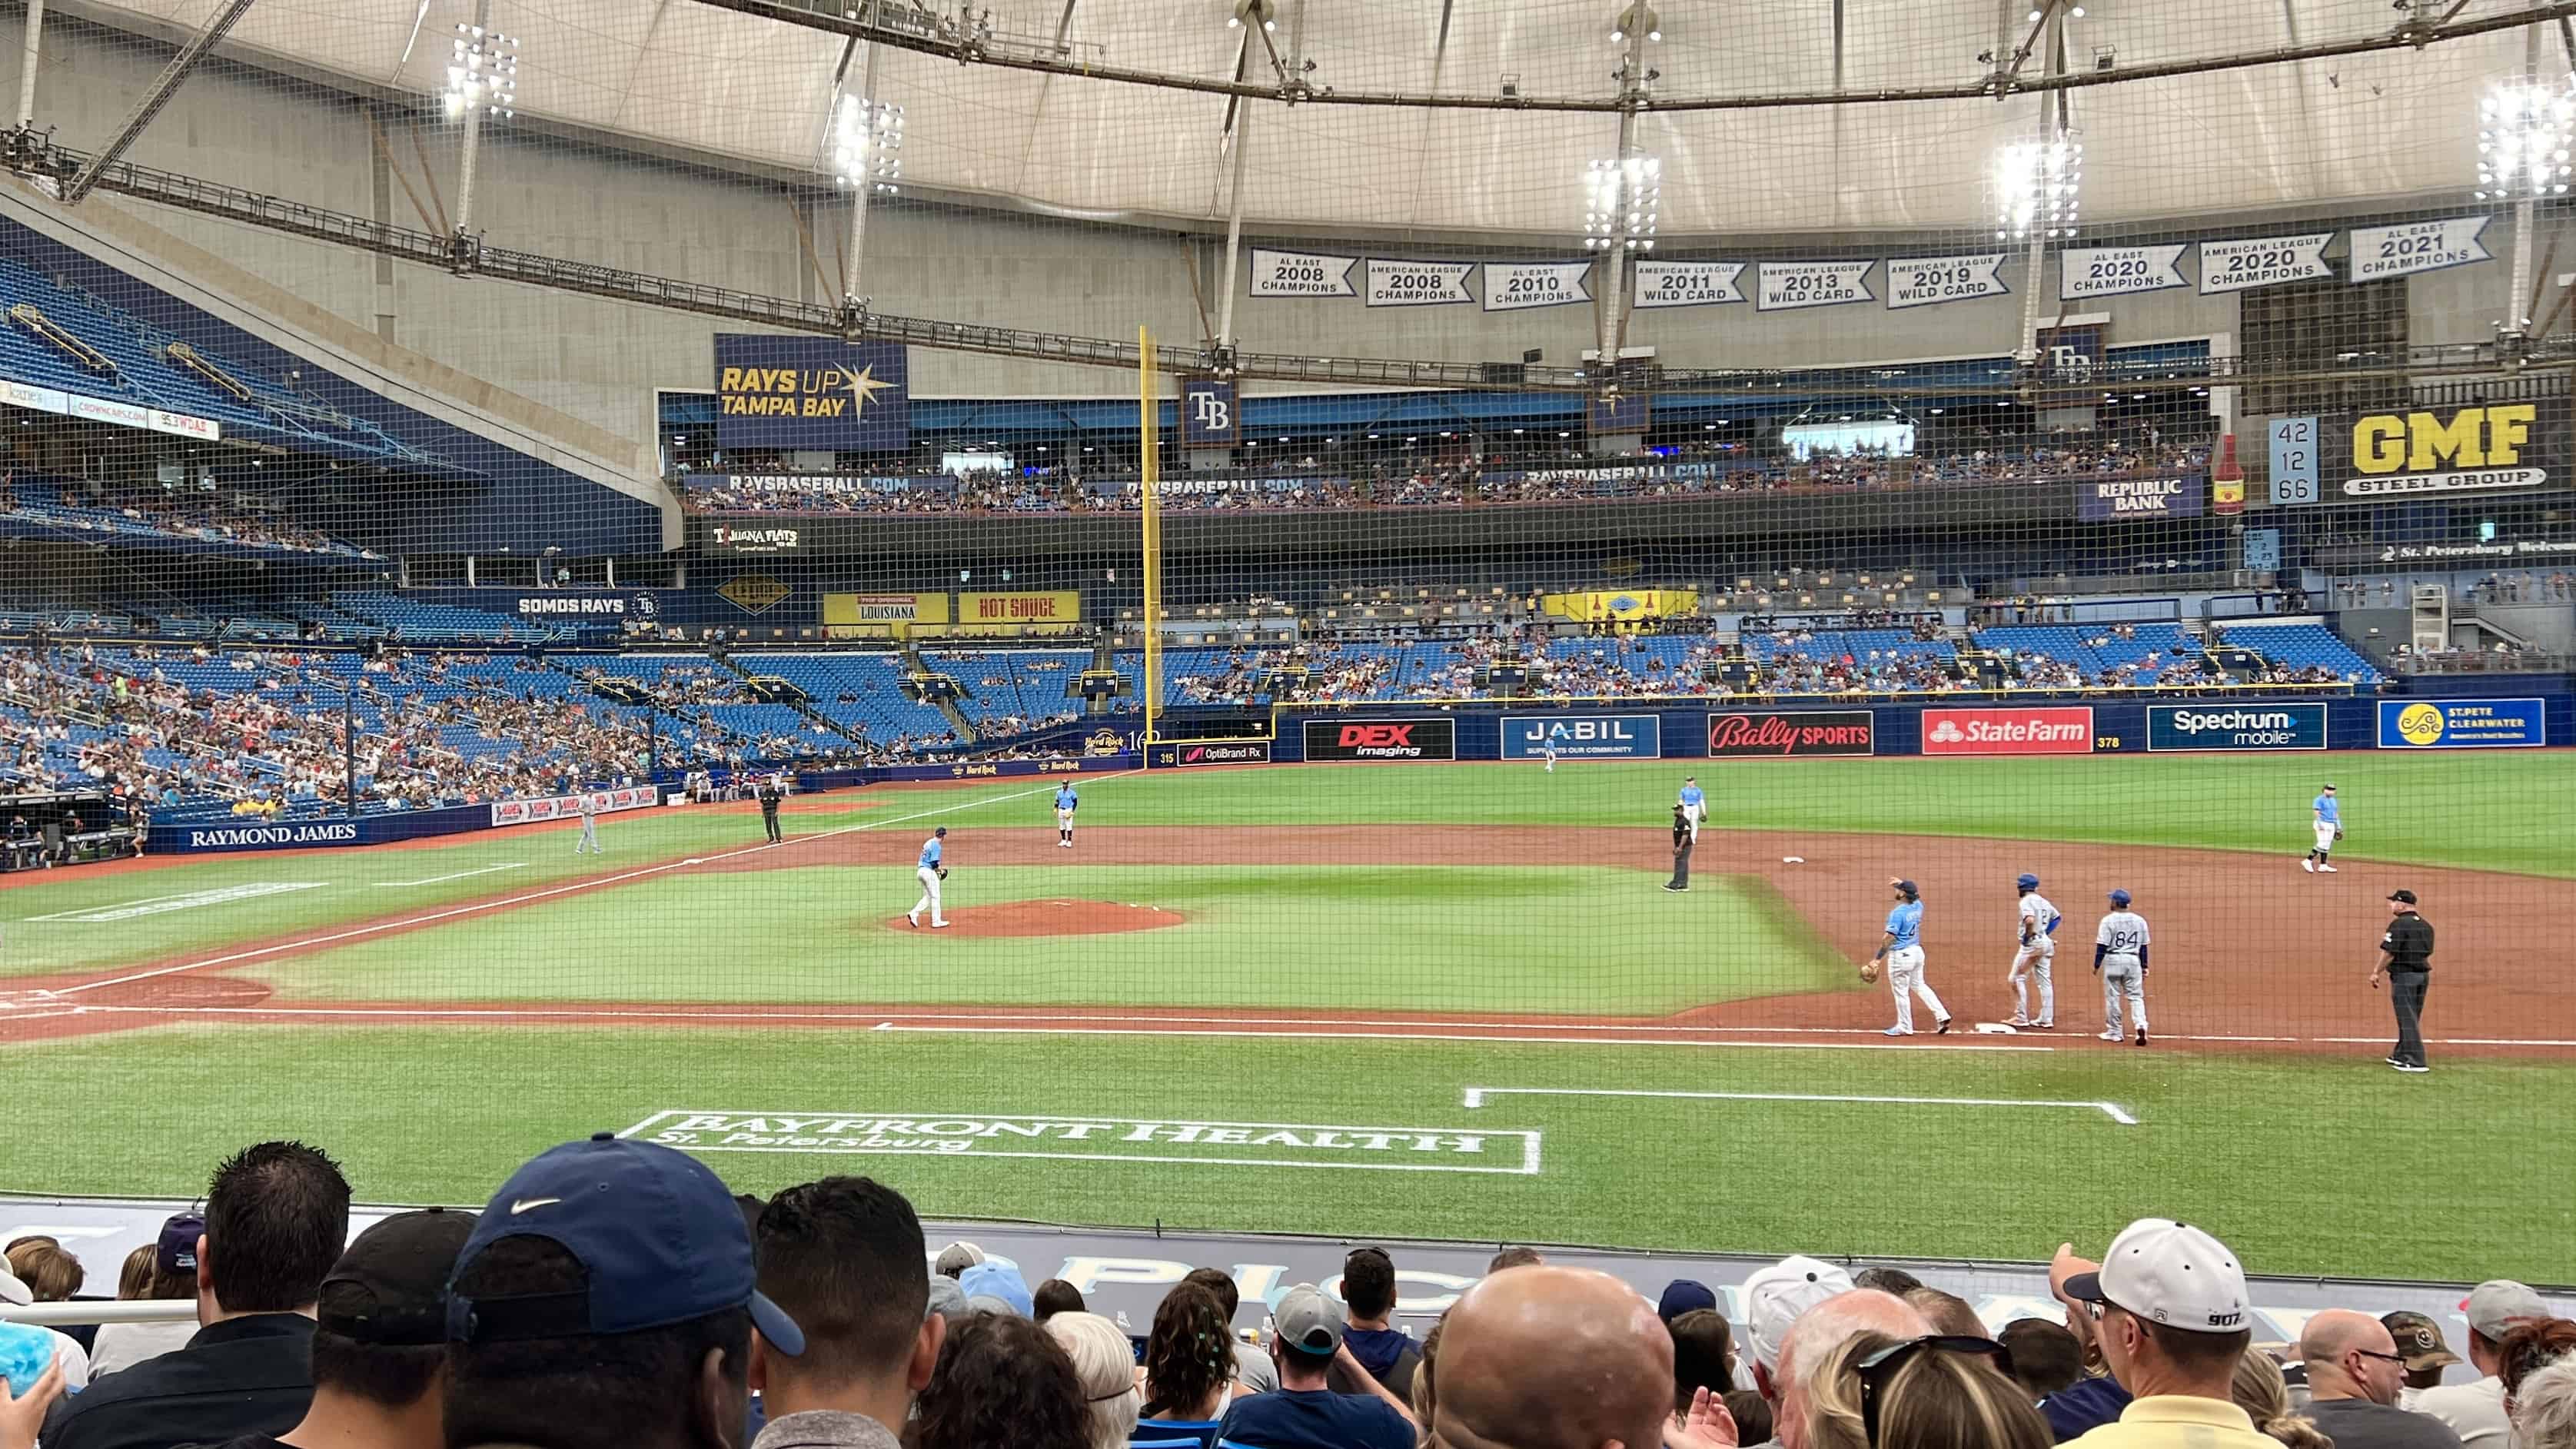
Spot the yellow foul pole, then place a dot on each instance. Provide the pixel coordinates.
(1147, 405)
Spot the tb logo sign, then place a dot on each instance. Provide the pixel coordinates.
(1209, 416)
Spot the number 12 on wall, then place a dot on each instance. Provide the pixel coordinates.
(2294, 460)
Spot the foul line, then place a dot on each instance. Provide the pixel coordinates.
(567, 888)
(460, 875)
(1476, 1098)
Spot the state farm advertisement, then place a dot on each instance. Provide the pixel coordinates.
(2056, 730)
(1381, 739)
(1751, 733)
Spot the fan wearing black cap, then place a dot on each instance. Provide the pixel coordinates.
(380, 1340)
(606, 1300)
(2172, 1318)
(2406, 959)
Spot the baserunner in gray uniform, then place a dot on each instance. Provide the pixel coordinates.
(2120, 957)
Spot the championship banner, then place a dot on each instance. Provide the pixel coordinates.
(2238, 266)
(815, 394)
(1510, 286)
(2110, 271)
(1689, 284)
(2499, 447)
(2421, 246)
(1300, 274)
(1061, 606)
(1787, 286)
(1210, 417)
(1925, 281)
(2165, 495)
(1417, 284)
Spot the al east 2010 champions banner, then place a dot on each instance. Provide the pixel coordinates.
(812, 393)
(1511, 286)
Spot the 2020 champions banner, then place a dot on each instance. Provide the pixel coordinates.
(1583, 736)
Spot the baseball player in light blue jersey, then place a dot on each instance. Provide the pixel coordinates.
(1551, 754)
(1694, 803)
(1064, 807)
(1902, 954)
(2034, 958)
(2120, 956)
(2325, 820)
(931, 873)
(589, 826)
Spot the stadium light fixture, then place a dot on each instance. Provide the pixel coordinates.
(2035, 187)
(482, 73)
(2524, 129)
(1638, 18)
(1623, 204)
(1252, 12)
(867, 144)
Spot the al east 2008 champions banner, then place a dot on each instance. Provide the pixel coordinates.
(816, 393)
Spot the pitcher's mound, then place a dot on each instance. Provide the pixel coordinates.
(1050, 918)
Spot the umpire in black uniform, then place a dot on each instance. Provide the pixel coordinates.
(2406, 958)
(769, 798)
(1681, 849)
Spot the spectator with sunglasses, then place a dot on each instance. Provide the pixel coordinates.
(1942, 1390)
(2171, 1314)
(2354, 1373)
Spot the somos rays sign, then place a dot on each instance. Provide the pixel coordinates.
(2054, 730)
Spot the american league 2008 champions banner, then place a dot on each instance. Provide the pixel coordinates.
(815, 393)
(1417, 284)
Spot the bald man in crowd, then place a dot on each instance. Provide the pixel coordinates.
(1552, 1358)
(1818, 1332)
(2354, 1373)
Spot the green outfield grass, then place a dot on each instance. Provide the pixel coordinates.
(1428, 938)
(2287, 1160)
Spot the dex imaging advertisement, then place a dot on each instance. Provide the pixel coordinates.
(815, 394)
(1381, 739)
(1583, 736)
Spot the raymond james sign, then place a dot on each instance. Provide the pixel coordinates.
(1095, 1139)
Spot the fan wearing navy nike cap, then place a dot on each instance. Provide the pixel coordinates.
(607, 1300)
(2173, 1318)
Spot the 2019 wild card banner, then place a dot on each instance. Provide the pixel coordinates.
(817, 393)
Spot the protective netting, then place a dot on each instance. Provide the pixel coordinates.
(2056, 442)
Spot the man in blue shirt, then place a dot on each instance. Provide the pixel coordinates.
(2325, 822)
(1304, 1413)
(1064, 807)
(930, 872)
(1901, 952)
(1694, 804)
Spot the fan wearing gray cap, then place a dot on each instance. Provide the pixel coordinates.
(380, 1340)
(1307, 1329)
(2172, 1320)
(2475, 1411)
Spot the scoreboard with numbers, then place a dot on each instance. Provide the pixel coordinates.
(2294, 461)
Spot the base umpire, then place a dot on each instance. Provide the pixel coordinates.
(2406, 958)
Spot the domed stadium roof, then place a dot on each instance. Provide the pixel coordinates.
(1511, 101)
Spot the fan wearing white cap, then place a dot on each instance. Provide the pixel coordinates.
(2173, 1318)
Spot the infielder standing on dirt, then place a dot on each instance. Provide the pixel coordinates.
(2120, 957)
(1902, 954)
(589, 826)
(2325, 820)
(2034, 958)
(931, 873)
(1065, 804)
(1694, 804)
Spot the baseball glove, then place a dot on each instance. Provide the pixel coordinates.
(943, 872)
(2338, 832)
(1869, 970)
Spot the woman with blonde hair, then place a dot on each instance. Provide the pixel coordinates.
(1833, 1392)
(2264, 1395)
(1105, 1362)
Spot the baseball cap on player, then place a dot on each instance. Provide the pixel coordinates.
(2407, 896)
(2169, 1273)
(2026, 881)
(1774, 1297)
(942, 830)
(2494, 1305)
(1906, 887)
(2119, 898)
(2419, 1338)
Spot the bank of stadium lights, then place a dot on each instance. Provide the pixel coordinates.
(2524, 129)
(1623, 204)
(1638, 19)
(867, 144)
(2035, 188)
(1253, 12)
(482, 73)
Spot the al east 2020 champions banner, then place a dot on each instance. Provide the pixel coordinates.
(815, 394)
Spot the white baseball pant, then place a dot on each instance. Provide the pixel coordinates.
(929, 895)
(589, 836)
(1905, 979)
(2123, 980)
(2032, 964)
(2325, 835)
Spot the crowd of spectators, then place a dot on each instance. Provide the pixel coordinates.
(204, 517)
(614, 1294)
(1458, 479)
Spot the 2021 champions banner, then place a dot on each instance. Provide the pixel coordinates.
(1583, 736)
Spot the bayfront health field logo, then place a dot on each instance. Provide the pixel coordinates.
(1095, 1139)
(2057, 730)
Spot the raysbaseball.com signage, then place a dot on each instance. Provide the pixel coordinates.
(2236, 727)
(1583, 736)
(877, 1132)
